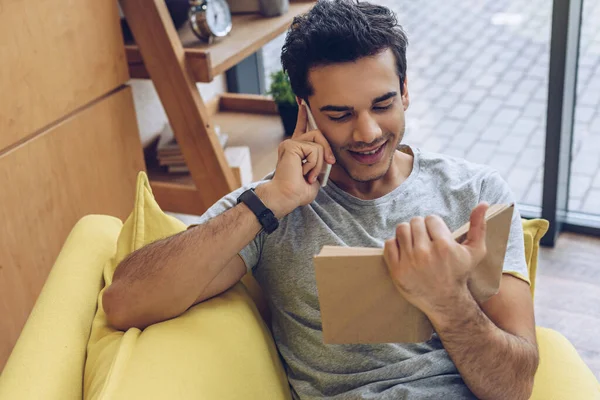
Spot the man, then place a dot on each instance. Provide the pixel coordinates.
(348, 61)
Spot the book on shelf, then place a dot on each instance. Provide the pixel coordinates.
(168, 152)
(360, 304)
(172, 160)
(238, 158)
(167, 144)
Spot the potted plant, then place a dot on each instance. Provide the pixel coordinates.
(282, 93)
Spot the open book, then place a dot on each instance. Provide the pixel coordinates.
(360, 304)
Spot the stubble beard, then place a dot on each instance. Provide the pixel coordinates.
(380, 175)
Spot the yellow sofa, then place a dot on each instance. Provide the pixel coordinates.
(220, 349)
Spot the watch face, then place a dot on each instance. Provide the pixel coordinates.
(218, 17)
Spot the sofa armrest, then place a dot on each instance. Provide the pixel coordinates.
(218, 349)
(48, 359)
(562, 374)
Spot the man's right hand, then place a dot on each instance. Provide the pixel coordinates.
(295, 181)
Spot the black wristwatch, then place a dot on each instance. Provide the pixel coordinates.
(265, 216)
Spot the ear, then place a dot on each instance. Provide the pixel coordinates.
(405, 96)
(298, 100)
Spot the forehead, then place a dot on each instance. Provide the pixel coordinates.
(354, 83)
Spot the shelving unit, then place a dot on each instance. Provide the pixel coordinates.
(175, 61)
(249, 120)
(250, 32)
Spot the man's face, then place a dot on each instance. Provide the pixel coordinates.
(360, 109)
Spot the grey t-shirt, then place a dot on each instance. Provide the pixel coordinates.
(282, 264)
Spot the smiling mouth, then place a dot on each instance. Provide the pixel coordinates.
(371, 156)
(369, 152)
(366, 153)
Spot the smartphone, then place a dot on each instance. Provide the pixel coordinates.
(323, 175)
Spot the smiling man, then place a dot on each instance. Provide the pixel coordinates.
(348, 61)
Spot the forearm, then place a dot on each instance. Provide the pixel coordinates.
(493, 363)
(163, 279)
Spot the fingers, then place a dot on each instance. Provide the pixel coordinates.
(317, 137)
(391, 252)
(314, 161)
(301, 122)
(437, 228)
(420, 237)
(308, 153)
(308, 164)
(476, 234)
(314, 174)
(404, 238)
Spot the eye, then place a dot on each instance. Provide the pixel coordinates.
(339, 119)
(383, 108)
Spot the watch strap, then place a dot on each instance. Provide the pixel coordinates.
(264, 215)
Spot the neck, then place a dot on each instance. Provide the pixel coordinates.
(398, 172)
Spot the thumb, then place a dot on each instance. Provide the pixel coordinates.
(477, 228)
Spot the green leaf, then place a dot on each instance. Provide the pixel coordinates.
(281, 89)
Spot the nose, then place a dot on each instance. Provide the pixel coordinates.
(367, 129)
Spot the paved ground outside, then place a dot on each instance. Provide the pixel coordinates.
(478, 79)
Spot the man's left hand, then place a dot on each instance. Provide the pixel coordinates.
(429, 268)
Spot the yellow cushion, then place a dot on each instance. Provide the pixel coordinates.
(219, 349)
(562, 374)
(533, 231)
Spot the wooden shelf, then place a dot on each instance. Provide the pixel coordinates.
(261, 130)
(174, 192)
(250, 32)
(175, 61)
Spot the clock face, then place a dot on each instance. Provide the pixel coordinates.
(218, 17)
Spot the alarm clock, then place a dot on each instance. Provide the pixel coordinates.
(210, 19)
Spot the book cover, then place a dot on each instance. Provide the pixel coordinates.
(360, 304)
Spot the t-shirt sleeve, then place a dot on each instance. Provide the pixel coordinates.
(251, 253)
(495, 190)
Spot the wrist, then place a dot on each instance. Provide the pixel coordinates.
(457, 310)
(275, 200)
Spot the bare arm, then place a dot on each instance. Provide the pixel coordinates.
(163, 279)
(496, 354)
(493, 346)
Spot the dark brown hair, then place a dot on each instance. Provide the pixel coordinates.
(337, 31)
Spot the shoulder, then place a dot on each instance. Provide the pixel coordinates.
(454, 168)
(462, 175)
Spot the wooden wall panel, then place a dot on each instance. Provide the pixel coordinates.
(86, 164)
(55, 56)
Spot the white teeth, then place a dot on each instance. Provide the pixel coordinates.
(369, 152)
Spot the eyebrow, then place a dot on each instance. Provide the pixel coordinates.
(376, 100)
(386, 96)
